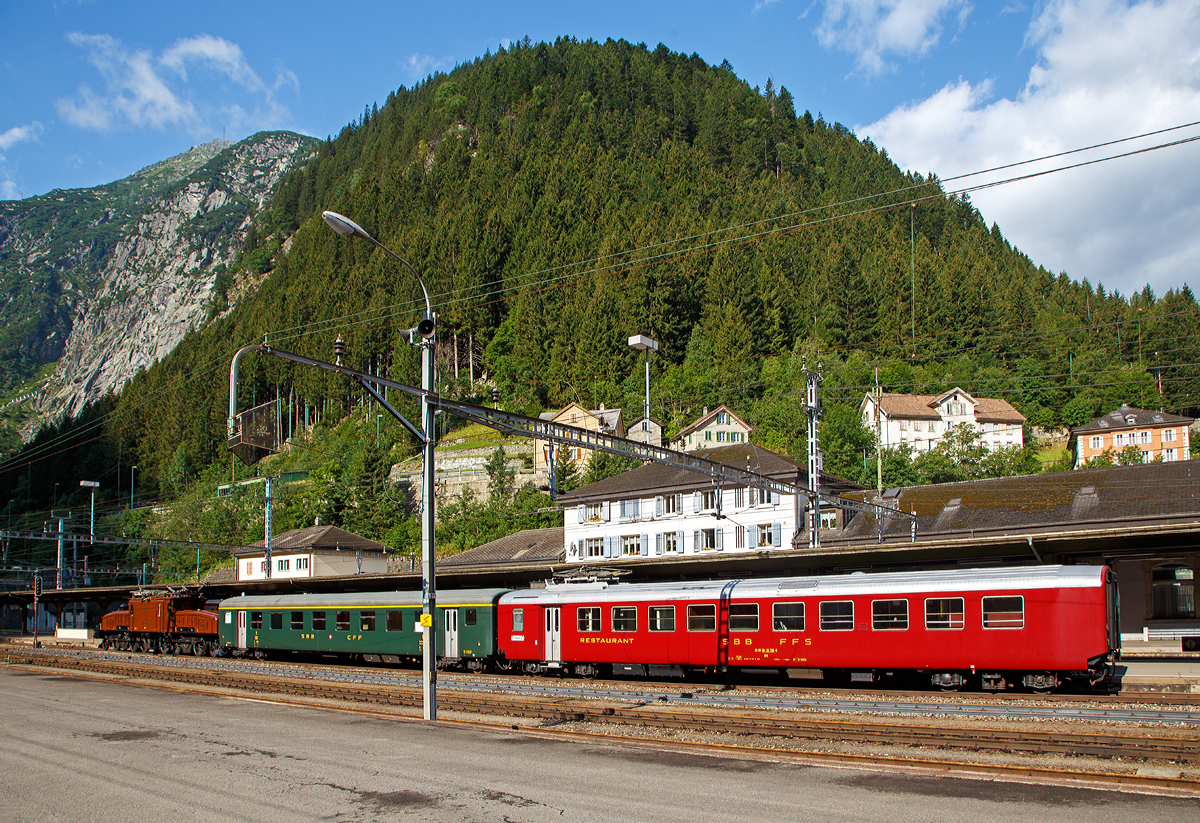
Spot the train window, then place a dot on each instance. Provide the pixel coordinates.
(889, 615)
(341, 621)
(837, 615)
(1004, 612)
(318, 621)
(276, 620)
(297, 620)
(471, 617)
(702, 618)
(395, 621)
(256, 620)
(944, 613)
(743, 617)
(788, 617)
(367, 619)
(624, 618)
(662, 618)
(518, 620)
(588, 618)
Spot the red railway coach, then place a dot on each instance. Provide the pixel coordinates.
(171, 622)
(1034, 626)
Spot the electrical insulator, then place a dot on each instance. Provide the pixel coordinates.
(339, 348)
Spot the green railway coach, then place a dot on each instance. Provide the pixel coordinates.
(378, 626)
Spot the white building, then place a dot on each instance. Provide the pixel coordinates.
(920, 421)
(659, 510)
(318, 551)
(712, 429)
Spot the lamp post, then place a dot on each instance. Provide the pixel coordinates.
(425, 336)
(644, 343)
(132, 469)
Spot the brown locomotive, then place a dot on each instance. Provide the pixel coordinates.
(167, 622)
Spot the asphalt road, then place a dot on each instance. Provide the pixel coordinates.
(79, 750)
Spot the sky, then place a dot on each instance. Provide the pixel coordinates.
(93, 91)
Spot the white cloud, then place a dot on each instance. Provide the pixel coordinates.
(142, 90)
(873, 30)
(19, 134)
(420, 66)
(1105, 69)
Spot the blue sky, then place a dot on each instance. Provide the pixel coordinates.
(93, 91)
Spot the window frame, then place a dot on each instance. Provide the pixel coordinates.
(822, 619)
(588, 619)
(366, 619)
(698, 619)
(620, 623)
(889, 622)
(658, 616)
(393, 620)
(741, 622)
(293, 622)
(985, 611)
(256, 621)
(319, 617)
(962, 614)
(276, 620)
(341, 620)
(518, 619)
(776, 618)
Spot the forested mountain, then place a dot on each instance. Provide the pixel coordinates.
(561, 197)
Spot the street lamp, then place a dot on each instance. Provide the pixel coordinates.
(93, 485)
(425, 336)
(644, 343)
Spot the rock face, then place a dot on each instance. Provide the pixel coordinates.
(130, 302)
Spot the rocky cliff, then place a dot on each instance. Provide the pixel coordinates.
(106, 281)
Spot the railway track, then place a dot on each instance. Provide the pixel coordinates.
(659, 713)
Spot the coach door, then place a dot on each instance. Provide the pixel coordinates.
(241, 638)
(451, 618)
(553, 618)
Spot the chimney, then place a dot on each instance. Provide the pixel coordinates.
(318, 522)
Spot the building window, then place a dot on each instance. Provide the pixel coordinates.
(671, 503)
(787, 617)
(631, 544)
(702, 618)
(889, 615)
(1004, 612)
(903, 425)
(837, 615)
(367, 620)
(1169, 455)
(722, 418)
(739, 498)
(743, 617)
(708, 500)
(630, 509)
(670, 542)
(707, 434)
(662, 618)
(283, 565)
(707, 539)
(739, 537)
(593, 512)
(588, 618)
(1174, 593)
(1097, 443)
(1145, 457)
(766, 534)
(318, 619)
(1168, 435)
(301, 564)
(829, 520)
(249, 568)
(1119, 440)
(264, 566)
(917, 425)
(624, 618)
(735, 437)
(1145, 436)
(594, 547)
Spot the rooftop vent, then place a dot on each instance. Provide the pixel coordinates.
(1085, 504)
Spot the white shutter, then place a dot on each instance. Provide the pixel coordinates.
(720, 538)
(696, 540)
(637, 508)
(658, 508)
(605, 514)
(645, 545)
(679, 542)
(777, 534)
(658, 540)
(775, 497)
(753, 536)
(696, 502)
(581, 510)
(753, 496)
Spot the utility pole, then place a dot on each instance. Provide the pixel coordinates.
(813, 409)
(267, 529)
(878, 435)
